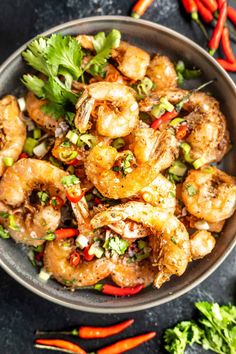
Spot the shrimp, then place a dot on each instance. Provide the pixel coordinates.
(201, 244)
(33, 107)
(16, 187)
(57, 262)
(162, 72)
(169, 240)
(101, 159)
(210, 194)
(13, 131)
(116, 119)
(209, 136)
(132, 61)
(131, 274)
(161, 193)
(85, 41)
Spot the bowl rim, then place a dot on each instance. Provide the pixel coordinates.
(218, 262)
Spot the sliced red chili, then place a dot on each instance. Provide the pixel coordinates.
(87, 256)
(97, 201)
(65, 233)
(74, 162)
(74, 194)
(74, 258)
(181, 132)
(116, 291)
(166, 117)
(23, 155)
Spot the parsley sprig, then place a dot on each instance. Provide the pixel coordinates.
(59, 59)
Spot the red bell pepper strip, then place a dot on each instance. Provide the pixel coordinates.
(65, 345)
(211, 5)
(140, 8)
(88, 257)
(89, 332)
(217, 33)
(116, 291)
(225, 41)
(166, 117)
(227, 65)
(191, 8)
(126, 344)
(205, 13)
(231, 12)
(73, 196)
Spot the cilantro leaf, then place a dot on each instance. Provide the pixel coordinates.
(34, 84)
(103, 46)
(64, 52)
(56, 92)
(35, 55)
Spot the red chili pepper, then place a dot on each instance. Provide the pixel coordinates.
(126, 344)
(116, 291)
(88, 332)
(181, 132)
(217, 33)
(74, 162)
(191, 8)
(97, 201)
(220, 3)
(140, 8)
(74, 259)
(23, 155)
(65, 233)
(227, 65)
(225, 41)
(57, 202)
(211, 5)
(166, 117)
(88, 257)
(231, 12)
(73, 196)
(204, 12)
(67, 346)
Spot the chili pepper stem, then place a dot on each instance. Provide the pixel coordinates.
(195, 18)
(42, 333)
(211, 52)
(41, 346)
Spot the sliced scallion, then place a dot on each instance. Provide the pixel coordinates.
(88, 139)
(29, 146)
(72, 136)
(186, 150)
(37, 133)
(41, 149)
(12, 223)
(199, 163)
(4, 233)
(176, 121)
(118, 143)
(178, 168)
(8, 161)
(66, 156)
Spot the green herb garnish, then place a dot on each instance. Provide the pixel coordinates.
(70, 180)
(4, 233)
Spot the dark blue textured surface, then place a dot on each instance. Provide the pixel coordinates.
(21, 312)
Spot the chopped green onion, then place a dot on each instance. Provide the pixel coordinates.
(81, 241)
(162, 107)
(43, 197)
(180, 66)
(176, 121)
(89, 197)
(173, 239)
(88, 139)
(55, 162)
(199, 163)
(173, 178)
(29, 146)
(22, 104)
(186, 150)
(50, 236)
(41, 149)
(144, 87)
(65, 143)
(66, 156)
(97, 250)
(142, 256)
(180, 78)
(178, 168)
(37, 133)
(116, 244)
(192, 74)
(44, 275)
(70, 180)
(71, 170)
(8, 161)
(118, 143)
(191, 190)
(72, 136)
(142, 244)
(4, 233)
(12, 223)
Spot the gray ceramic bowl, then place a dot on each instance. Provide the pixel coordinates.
(153, 38)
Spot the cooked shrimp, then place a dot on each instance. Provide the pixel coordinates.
(129, 229)
(16, 186)
(132, 61)
(59, 150)
(85, 41)
(201, 244)
(101, 159)
(132, 274)
(161, 193)
(209, 137)
(57, 262)
(209, 194)
(13, 131)
(162, 72)
(116, 119)
(169, 240)
(33, 107)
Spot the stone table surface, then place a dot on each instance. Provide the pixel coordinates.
(22, 312)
